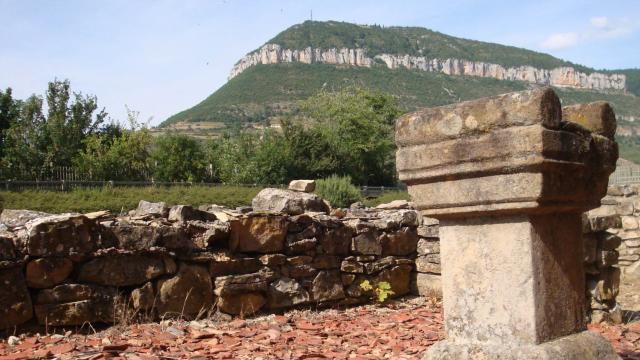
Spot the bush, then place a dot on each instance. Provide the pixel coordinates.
(338, 190)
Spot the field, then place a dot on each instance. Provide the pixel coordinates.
(122, 199)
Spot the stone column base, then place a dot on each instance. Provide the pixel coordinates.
(582, 346)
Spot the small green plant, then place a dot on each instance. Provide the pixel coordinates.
(382, 291)
(338, 190)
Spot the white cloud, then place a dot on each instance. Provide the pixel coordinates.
(601, 28)
(599, 21)
(560, 41)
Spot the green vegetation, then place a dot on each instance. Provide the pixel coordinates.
(414, 41)
(338, 191)
(387, 197)
(382, 290)
(119, 199)
(264, 91)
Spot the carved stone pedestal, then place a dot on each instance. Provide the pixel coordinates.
(508, 179)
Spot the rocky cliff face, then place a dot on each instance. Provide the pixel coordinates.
(562, 76)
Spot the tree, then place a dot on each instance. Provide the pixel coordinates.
(9, 111)
(178, 158)
(358, 127)
(117, 153)
(34, 143)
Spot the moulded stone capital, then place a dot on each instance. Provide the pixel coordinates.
(507, 154)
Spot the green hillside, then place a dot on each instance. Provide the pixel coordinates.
(414, 41)
(263, 91)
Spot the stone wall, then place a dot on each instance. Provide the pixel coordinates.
(624, 201)
(68, 269)
(561, 76)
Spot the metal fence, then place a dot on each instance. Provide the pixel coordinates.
(67, 185)
(625, 175)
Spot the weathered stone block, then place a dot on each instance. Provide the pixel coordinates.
(238, 284)
(125, 269)
(62, 235)
(426, 284)
(47, 272)
(157, 209)
(428, 247)
(288, 202)
(241, 304)
(144, 298)
(286, 292)
(226, 264)
(15, 301)
(400, 243)
(75, 304)
(258, 234)
(336, 241)
(307, 186)
(327, 286)
(366, 243)
(189, 293)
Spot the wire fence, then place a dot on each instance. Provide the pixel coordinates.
(69, 185)
(625, 175)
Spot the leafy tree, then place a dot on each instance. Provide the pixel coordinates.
(9, 111)
(35, 143)
(69, 123)
(117, 153)
(25, 142)
(358, 127)
(178, 158)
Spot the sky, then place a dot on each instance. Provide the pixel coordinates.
(159, 57)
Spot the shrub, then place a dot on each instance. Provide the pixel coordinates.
(338, 190)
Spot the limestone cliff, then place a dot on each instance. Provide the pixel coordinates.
(561, 76)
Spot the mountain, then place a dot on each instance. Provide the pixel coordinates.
(420, 66)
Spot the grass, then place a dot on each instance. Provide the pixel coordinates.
(125, 198)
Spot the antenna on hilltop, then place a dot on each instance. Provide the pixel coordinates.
(311, 18)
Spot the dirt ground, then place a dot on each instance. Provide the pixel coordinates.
(397, 330)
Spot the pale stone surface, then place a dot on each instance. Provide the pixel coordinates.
(302, 185)
(508, 179)
(560, 76)
(596, 116)
(189, 293)
(288, 202)
(260, 234)
(581, 346)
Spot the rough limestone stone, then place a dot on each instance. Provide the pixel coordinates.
(189, 293)
(15, 301)
(395, 205)
(226, 264)
(307, 186)
(426, 285)
(336, 241)
(629, 222)
(239, 284)
(187, 212)
(400, 243)
(157, 209)
(7, 247)
(366, 243)
(46, 272)
(144, 298)
(258, 234)
(427, 265)
(75, 304)
(60, 235)
(327, 286)
(134, 237)
(241, 304)
(399, 277)
(427, 247)
(18, 218)
(286, 292)
(288, 202)
(125, 269)
(597, 116)
(606, 285)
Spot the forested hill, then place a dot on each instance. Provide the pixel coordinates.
(262, 93)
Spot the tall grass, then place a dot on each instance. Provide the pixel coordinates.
(119, 199)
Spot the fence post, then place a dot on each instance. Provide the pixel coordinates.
(62, 187)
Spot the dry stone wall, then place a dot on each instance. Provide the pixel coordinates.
(561, 76)
(69, 269)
